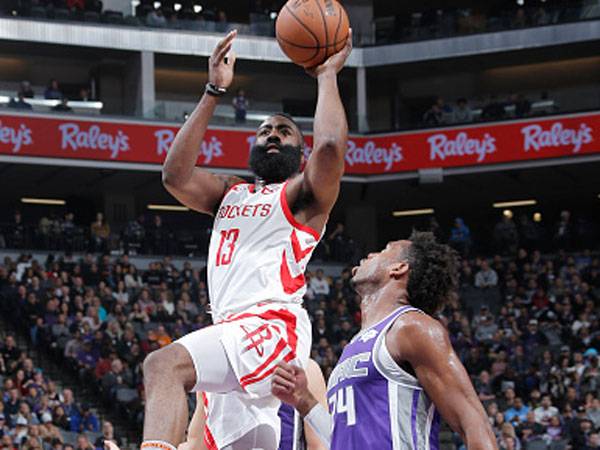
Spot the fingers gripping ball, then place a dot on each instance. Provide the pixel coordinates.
(310, 31)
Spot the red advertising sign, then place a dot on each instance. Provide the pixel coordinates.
(148, 143)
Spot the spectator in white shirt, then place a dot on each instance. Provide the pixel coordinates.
(462, 113)
(319, 284)
(486, 277)
(544, 412)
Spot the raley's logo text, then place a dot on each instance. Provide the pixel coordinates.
(234, 211)
(209, 150)
(16, 137)
(371, 154)
(536, 137)
(441, 147)
(75, 138)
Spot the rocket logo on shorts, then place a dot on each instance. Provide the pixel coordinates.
(257, 337)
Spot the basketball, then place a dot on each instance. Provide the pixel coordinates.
(310, 31)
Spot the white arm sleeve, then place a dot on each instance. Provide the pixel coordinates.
(320, 421)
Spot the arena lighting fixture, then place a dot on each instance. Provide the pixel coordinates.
(537, 217)
(156, 207)
(507, 213)
(520, 2)
(177, 6)
(197, 9)
(273, 15)
(413, 212)
(43, 201)
(515, 203)
(156, 5)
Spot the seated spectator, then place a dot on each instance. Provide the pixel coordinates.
(545, 411)
(89, 421)
(108, 434)
(494, 110)
(460, 237)
(506, 236)
(522, 106)
(518, 412)
(320, 285)
(240, 105)
(63, 106)
(462, 113)
(486, 277)
(100, 232)
(84, 95)
(434, 116)
(529, 429)
(19, 103)
(26, 89)
(156, 18)
(53, 91)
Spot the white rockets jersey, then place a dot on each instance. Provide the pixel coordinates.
(258, 251)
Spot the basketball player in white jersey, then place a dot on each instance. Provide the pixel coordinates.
(263, 236)
(399, 374)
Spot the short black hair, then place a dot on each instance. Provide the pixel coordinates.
(433, 276)
(291, 119)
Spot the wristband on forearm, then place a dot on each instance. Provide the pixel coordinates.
(320, 421)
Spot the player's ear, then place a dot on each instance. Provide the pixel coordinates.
(398, 269)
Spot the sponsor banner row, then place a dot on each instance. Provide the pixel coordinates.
(137, 142)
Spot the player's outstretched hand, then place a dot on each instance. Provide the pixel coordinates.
(290, 385)
(222, 61)
(335, 62)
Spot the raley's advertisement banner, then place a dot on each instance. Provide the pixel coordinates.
(148, 143)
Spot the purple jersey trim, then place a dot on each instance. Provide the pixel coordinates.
(434, 433)
(413, 418)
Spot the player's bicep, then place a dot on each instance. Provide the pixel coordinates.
(323, 174)
(447, 384)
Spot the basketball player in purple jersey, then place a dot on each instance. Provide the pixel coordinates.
(399, 374)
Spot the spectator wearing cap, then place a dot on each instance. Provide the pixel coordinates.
(21, 429)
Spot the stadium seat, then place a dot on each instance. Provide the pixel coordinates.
(536, 444)
(126, 395)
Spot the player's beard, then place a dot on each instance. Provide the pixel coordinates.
(275, 167)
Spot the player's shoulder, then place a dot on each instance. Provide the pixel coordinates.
(415, 329)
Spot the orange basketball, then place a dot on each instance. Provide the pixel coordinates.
(310, 31)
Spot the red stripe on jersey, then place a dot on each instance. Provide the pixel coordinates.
(289, 283)
(299, 252)
(281, 345)
(209, 440)
(230, 188)
(287, 212)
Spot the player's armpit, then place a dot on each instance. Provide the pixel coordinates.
(424, 343)
(203, 191)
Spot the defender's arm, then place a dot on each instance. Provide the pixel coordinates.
(424, 343)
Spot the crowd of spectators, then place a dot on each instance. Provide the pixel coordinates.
(492, 109)
(448, 21)
(36, 414)
(53, 91)
(525, 325)
(143, 235)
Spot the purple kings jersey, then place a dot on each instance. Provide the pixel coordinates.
(376, 404)
(292, 429)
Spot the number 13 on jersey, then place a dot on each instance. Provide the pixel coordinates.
(227, 246)
(341, 402)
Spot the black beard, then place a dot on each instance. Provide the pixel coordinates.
(275, 167)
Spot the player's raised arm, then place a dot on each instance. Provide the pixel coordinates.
(197, 188)
(325, 167)
(424, 343)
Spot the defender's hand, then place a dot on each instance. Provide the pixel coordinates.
(335, 62)
(221, 62)
(290, 385)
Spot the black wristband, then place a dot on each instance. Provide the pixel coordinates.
(214, 91)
